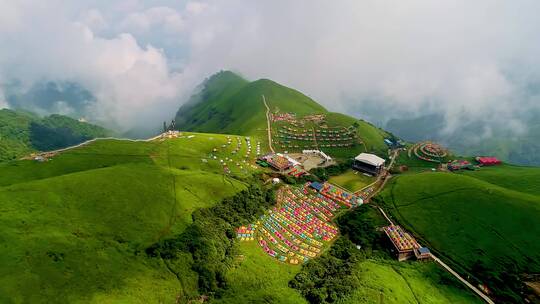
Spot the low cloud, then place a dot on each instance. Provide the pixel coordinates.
(472, 61)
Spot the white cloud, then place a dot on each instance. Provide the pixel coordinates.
(3, 102)
(471, 60)
(94, 20)
(165, 17)
(196, 7)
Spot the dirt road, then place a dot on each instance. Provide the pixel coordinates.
(268, 125)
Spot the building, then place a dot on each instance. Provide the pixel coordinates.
(422, 253)
(277, 161)
(404, 244)
(488, 161)
(369, 163)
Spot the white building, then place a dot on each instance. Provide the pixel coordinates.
(369, 163)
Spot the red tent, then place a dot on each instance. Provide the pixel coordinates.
(488, 161)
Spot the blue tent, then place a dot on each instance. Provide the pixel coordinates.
(317, 186)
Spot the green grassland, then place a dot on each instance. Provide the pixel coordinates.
(523, 179)
(471, 222)
(352, 180)
(260, 278)
(387, 281)
(74, 229)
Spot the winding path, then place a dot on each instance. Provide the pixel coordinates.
(93, 140)
(268, 125)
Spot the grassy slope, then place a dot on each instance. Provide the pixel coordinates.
(75, 230)
(232, 105)
(260, 278)
(467, 219)
(386, 281)
(351, 181)
(524, 179)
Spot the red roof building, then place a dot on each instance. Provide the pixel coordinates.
(488, 161)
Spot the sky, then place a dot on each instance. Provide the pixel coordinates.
(375, 59)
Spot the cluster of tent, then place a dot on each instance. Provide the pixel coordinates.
(246, 233)
(460, 164)
(365, 193)
(334, 193)
(228, 161)
(294, 230)
(488, 160)
(430, 152)
(401, 239)
(284, 117)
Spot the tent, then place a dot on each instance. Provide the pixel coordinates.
(488, 161)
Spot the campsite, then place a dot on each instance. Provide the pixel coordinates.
(245, 216)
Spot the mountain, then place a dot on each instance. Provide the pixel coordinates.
(155, 221)
(22, 132)
(227, 103)
(475, 138)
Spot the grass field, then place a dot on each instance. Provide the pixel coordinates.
(259, 278)
(352, 180)
(386, 281)
(524, 179)
(468, 220)
(74, 229)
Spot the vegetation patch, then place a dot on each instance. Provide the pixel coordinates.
(211, 238)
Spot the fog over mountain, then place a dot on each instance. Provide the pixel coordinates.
(468, 61)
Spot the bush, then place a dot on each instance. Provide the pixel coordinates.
(210, 239)
(330, 277)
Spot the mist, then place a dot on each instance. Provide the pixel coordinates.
(378, 60)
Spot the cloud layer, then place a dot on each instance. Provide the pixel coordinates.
(471, 60)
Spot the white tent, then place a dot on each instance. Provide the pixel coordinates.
(370, 159)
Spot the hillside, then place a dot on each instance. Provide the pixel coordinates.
(227, 103)
(75, 227)
(483, 222)
(124, 221)
(23, 132)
